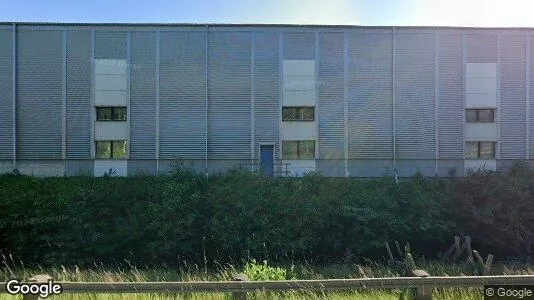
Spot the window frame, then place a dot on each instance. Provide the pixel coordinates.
(478, 113)
(299, 155)
(111, 146)
(114, 113)
(479, 147)
(297, 113)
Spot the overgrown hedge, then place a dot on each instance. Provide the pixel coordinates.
(186, 218)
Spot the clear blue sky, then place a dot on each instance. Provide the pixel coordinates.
(483, 13)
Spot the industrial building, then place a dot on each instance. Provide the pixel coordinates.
(123, 99)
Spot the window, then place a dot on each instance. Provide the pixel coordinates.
(111, 113)
(480, 150)
(111, 149)
(479, 115)
(298, 149)
(298, 113)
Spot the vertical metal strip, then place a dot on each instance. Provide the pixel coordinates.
(64, 105)
(498, 114)
(280, 91)
(157, 98)
(464, 95)
(527, 100)
(393, 101)
(206, 94)
(252, 70)
(436, 99)
(128, 88)
(316, 96)
(346, 99)
(93, 117)
(14, 93)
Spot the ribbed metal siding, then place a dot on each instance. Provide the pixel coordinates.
(182, 95)
(513, 95)
(451, 101)
(78, 95)
(143, 95)
(414, 100)
(370, 113)
(39, 94)
(266, 90)
(6, 95)
(331, 99)
(480, 48)
(531, 103)
(299, 45)
(229, 95)
(110, 45)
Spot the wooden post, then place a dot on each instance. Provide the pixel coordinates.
(240, 295)
(487, 267)
(42, 278)
(458, 253)
(454, 246)
(468, 247)
(397, 246)
(421, 292)
(390, 255)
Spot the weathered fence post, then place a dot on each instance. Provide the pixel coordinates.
(240, 295)
(421, 292)
(42, 278)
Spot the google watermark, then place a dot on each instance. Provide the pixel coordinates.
(509, 292)
(15, 287)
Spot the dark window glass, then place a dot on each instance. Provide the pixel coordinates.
(298, 113)
(480, 115)
(111, 113)
(298, 149)
(480, 150)
(103, 149)
(111, 149)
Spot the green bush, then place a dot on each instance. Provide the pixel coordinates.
(185, 217)
(263, 272)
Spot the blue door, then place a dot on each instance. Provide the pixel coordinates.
(266, 159)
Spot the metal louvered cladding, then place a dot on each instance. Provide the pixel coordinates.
(370, 113)
(531, 94)
(480, 48)
(6, 94)
(143, 95)
(331, 96)
(110, 45)
(39, 94)
(229, 95)
(451, 101)
(78, 95)
(182, 112)
(299, 45)
(414, 96)
(513, 95)
(266, 90)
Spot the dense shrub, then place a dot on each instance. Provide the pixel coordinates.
(186, 217)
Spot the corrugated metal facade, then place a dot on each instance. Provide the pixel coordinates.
(143, 95)
(39, 94)
(229, 95)
(266, 90)
(182, 95)
(299, 45)
(331, 96)
(79, 102)
(6, 94)
(513, 94)
(451, 100)
(414, 98)
(531, 100)
(480, 48)
(370, 110)
(110, 45)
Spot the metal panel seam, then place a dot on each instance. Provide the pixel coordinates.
(206, 94)
(346, 98)
(498, 149)
(128, 88)
(93, 117)
(14, 94)
(393, 85)
(64, 102)
(316, 61)
(157, 98)
(464, 97)
(281, 90)
(252, 132)
(436, 99)
(527, 100)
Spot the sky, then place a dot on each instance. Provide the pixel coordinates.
(477, 13)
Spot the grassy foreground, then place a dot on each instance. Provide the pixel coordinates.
(255, 271)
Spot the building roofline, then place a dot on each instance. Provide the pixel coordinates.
(251, 25)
